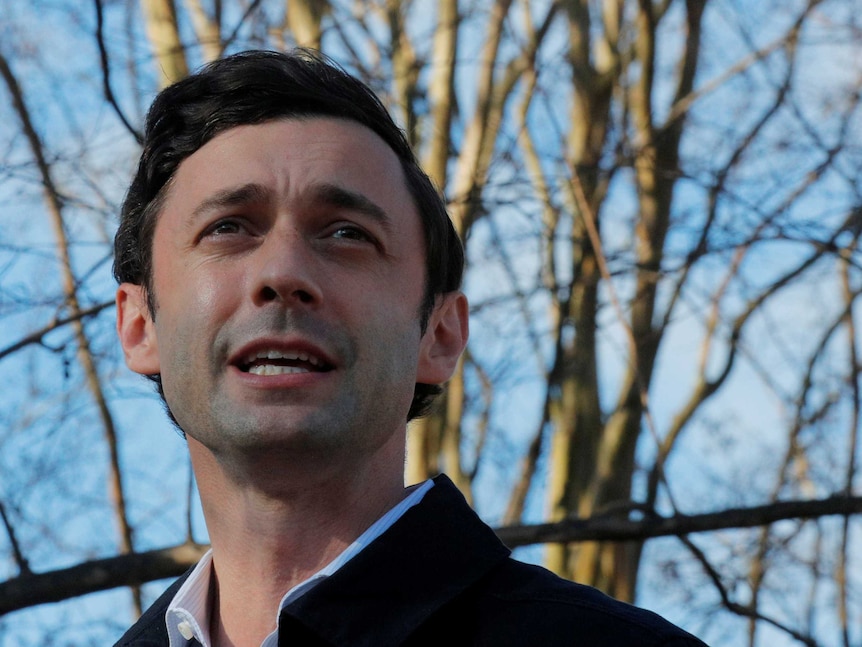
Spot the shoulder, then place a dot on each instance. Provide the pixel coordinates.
(520, 599)
(494, 599)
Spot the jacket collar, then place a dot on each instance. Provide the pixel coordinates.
(437, 550)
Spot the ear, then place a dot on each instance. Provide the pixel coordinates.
(444, 339)
(136, 330)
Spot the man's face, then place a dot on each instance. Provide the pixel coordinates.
(288, 273)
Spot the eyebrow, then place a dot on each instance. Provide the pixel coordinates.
(323, 193)
(337, 196)
(251, 193)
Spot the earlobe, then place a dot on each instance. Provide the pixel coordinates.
(444, 339)
(136, 331)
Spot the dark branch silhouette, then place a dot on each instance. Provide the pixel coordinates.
(37, 336)
(620, 528)
(106, 74)
(97, 575)
(138, 568)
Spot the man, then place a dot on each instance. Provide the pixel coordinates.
(290, 279)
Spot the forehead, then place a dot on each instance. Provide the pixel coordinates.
(339, 146)
(287, 155)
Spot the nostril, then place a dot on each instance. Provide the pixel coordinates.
(304, 296)
(268, 294)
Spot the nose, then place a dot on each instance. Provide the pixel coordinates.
(286, 271)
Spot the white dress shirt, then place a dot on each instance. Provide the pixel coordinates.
(188, 615)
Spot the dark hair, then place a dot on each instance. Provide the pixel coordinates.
(254, 87)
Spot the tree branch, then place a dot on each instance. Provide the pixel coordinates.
(106, 74)
(20, 559)
(746, 611)
(134, 569)
(621, 528)
(55, 206)
(37, 336)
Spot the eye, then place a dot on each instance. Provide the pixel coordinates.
(351, 232)
(223, 227)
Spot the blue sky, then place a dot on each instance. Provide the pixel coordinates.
(52, 457)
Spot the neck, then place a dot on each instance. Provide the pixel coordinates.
(270, 533)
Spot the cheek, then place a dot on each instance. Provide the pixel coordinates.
(213, 296)
(189, 316)
(394, 334)
(199, 293)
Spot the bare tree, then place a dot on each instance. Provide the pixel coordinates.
(661, 207)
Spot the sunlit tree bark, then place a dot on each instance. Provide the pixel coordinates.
(207, 27)
(163, 33)
(304, 21)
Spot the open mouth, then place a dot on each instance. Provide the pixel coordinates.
(275, 362)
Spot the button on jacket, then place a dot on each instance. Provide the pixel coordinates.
(440, 576)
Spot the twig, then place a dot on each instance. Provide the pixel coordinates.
(37, 336)
(106, 73)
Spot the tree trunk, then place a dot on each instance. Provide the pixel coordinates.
(163, 33)
(304, 18)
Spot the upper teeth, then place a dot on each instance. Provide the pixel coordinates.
(277, 354)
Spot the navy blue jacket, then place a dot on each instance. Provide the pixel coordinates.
(440, 576)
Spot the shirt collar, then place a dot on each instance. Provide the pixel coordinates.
(188, 614)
